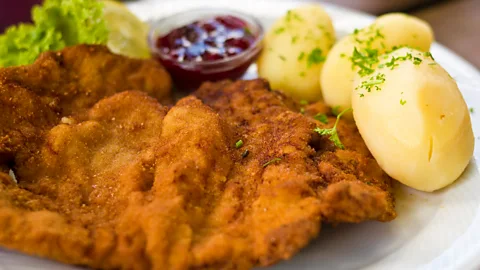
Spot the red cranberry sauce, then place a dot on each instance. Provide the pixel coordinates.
(207, 40)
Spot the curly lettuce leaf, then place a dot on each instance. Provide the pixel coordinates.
(23, 43)
(56, 24)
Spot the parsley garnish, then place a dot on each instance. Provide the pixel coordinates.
(279, 30)
(315, 57)
(417, 61)
(304, 102)
(364, 61)
(300, 56)
(271, 161)
(301, 74)
(336, 110)
(391, 64)
(321, 117)
(282, 57)
(302, 110)
(291, 14)
(294, 39)
(239, 144)
(374, 81)
(332, 132)
(402, 102)
(429, 54)
(472, 110)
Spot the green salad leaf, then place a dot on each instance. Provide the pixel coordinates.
(56, 24)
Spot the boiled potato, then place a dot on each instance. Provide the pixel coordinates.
(294, 51)
(385, 33)
(414, 120)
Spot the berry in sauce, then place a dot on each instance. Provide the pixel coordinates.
(207, 41)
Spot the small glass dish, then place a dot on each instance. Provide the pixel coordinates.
(188, 75)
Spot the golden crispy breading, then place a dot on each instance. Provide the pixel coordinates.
(77, 77)
(358, 189)
(128, 185)
(34, 98)
(243, 102)
(70, 192)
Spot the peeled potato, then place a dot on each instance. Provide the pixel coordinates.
(294, 51)
(386, 32)
(416, 123)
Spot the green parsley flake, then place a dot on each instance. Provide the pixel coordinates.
(293, 15)
(304, 102)
(297, 17)
(417, 61)
(239, 144)
(282, 57)
(315, 57)
(321, 117)
(428, 54)
(374, 81)
(402, 102)
(391, 64)
(336, 110)
(302, 74)
(301, 56)
(302, 110)
(332, 132)
(294, 39)
(364, 61)
(279, 30)
(271, 161)
(472, 110)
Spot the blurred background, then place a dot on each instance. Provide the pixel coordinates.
(456, 22)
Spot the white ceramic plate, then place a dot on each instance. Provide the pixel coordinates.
(438, 230)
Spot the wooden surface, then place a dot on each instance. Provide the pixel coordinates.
(456, 25)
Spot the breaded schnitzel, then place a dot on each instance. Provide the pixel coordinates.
(71, 191)
(351, 185)
(34, 98)
(133, 185)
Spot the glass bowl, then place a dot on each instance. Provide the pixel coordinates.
(189, 75)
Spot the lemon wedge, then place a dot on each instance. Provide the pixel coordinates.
(128, 35)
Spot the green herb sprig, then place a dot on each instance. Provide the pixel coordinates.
(274, 160)
(332, 132)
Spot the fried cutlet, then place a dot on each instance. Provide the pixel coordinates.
(131, 184)
(71, 192)
(34, 98)
(351, 185)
